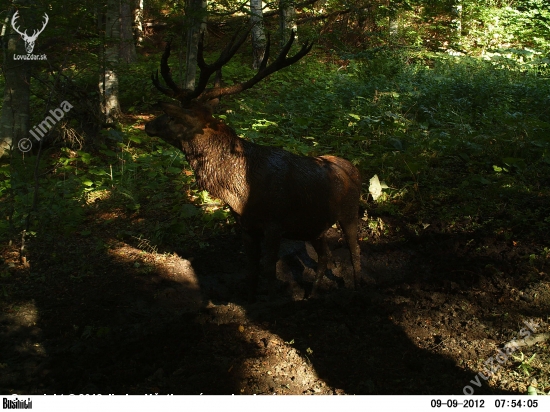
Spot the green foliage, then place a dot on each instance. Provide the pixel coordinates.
(434, 127)
(525, 364)
(135, 176)
(523, 23)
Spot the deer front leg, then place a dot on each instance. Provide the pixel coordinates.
(272, 244)
(253, 252)
(323, 254)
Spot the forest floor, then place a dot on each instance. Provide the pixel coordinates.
(100, 312)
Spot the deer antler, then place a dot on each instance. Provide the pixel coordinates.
(280, 62)
(206, 70)
(174, 90)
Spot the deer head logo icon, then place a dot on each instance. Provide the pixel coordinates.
(29, 40)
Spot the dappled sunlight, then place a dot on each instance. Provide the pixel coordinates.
(20, 326)
(183, 289)
(274, 366)
(93, 196)
(25, 315)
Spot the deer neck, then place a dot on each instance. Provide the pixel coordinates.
(217, 156)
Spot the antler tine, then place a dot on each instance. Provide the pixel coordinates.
(287, 61)
(287, 46)
(233, 46)
(160, 87)
(263, 63)
(165, 72)
(226, 54)
(173, 90)
(282, 60)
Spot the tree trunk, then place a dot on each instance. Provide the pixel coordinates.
(195, 15)
(138, 21)
(287, 17)
(456, 22)
(393, 26)
(108, 80)
(258, 32)
(367, 19)
(127, 46)
(14, 120)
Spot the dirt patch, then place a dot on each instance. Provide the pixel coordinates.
(96, 314)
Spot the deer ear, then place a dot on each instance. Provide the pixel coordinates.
(183, 116)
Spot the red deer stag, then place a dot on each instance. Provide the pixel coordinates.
(272, 193)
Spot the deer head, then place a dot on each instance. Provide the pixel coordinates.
(29, 40)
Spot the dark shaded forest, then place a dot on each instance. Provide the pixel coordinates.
(120, 273)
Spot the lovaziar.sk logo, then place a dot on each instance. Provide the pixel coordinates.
(29, 40)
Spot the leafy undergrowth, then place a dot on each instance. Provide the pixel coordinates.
(456, 139)
(130, 279)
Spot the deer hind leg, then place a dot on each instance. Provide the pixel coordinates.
(349, 228)
(323, 254)
(253, 251)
